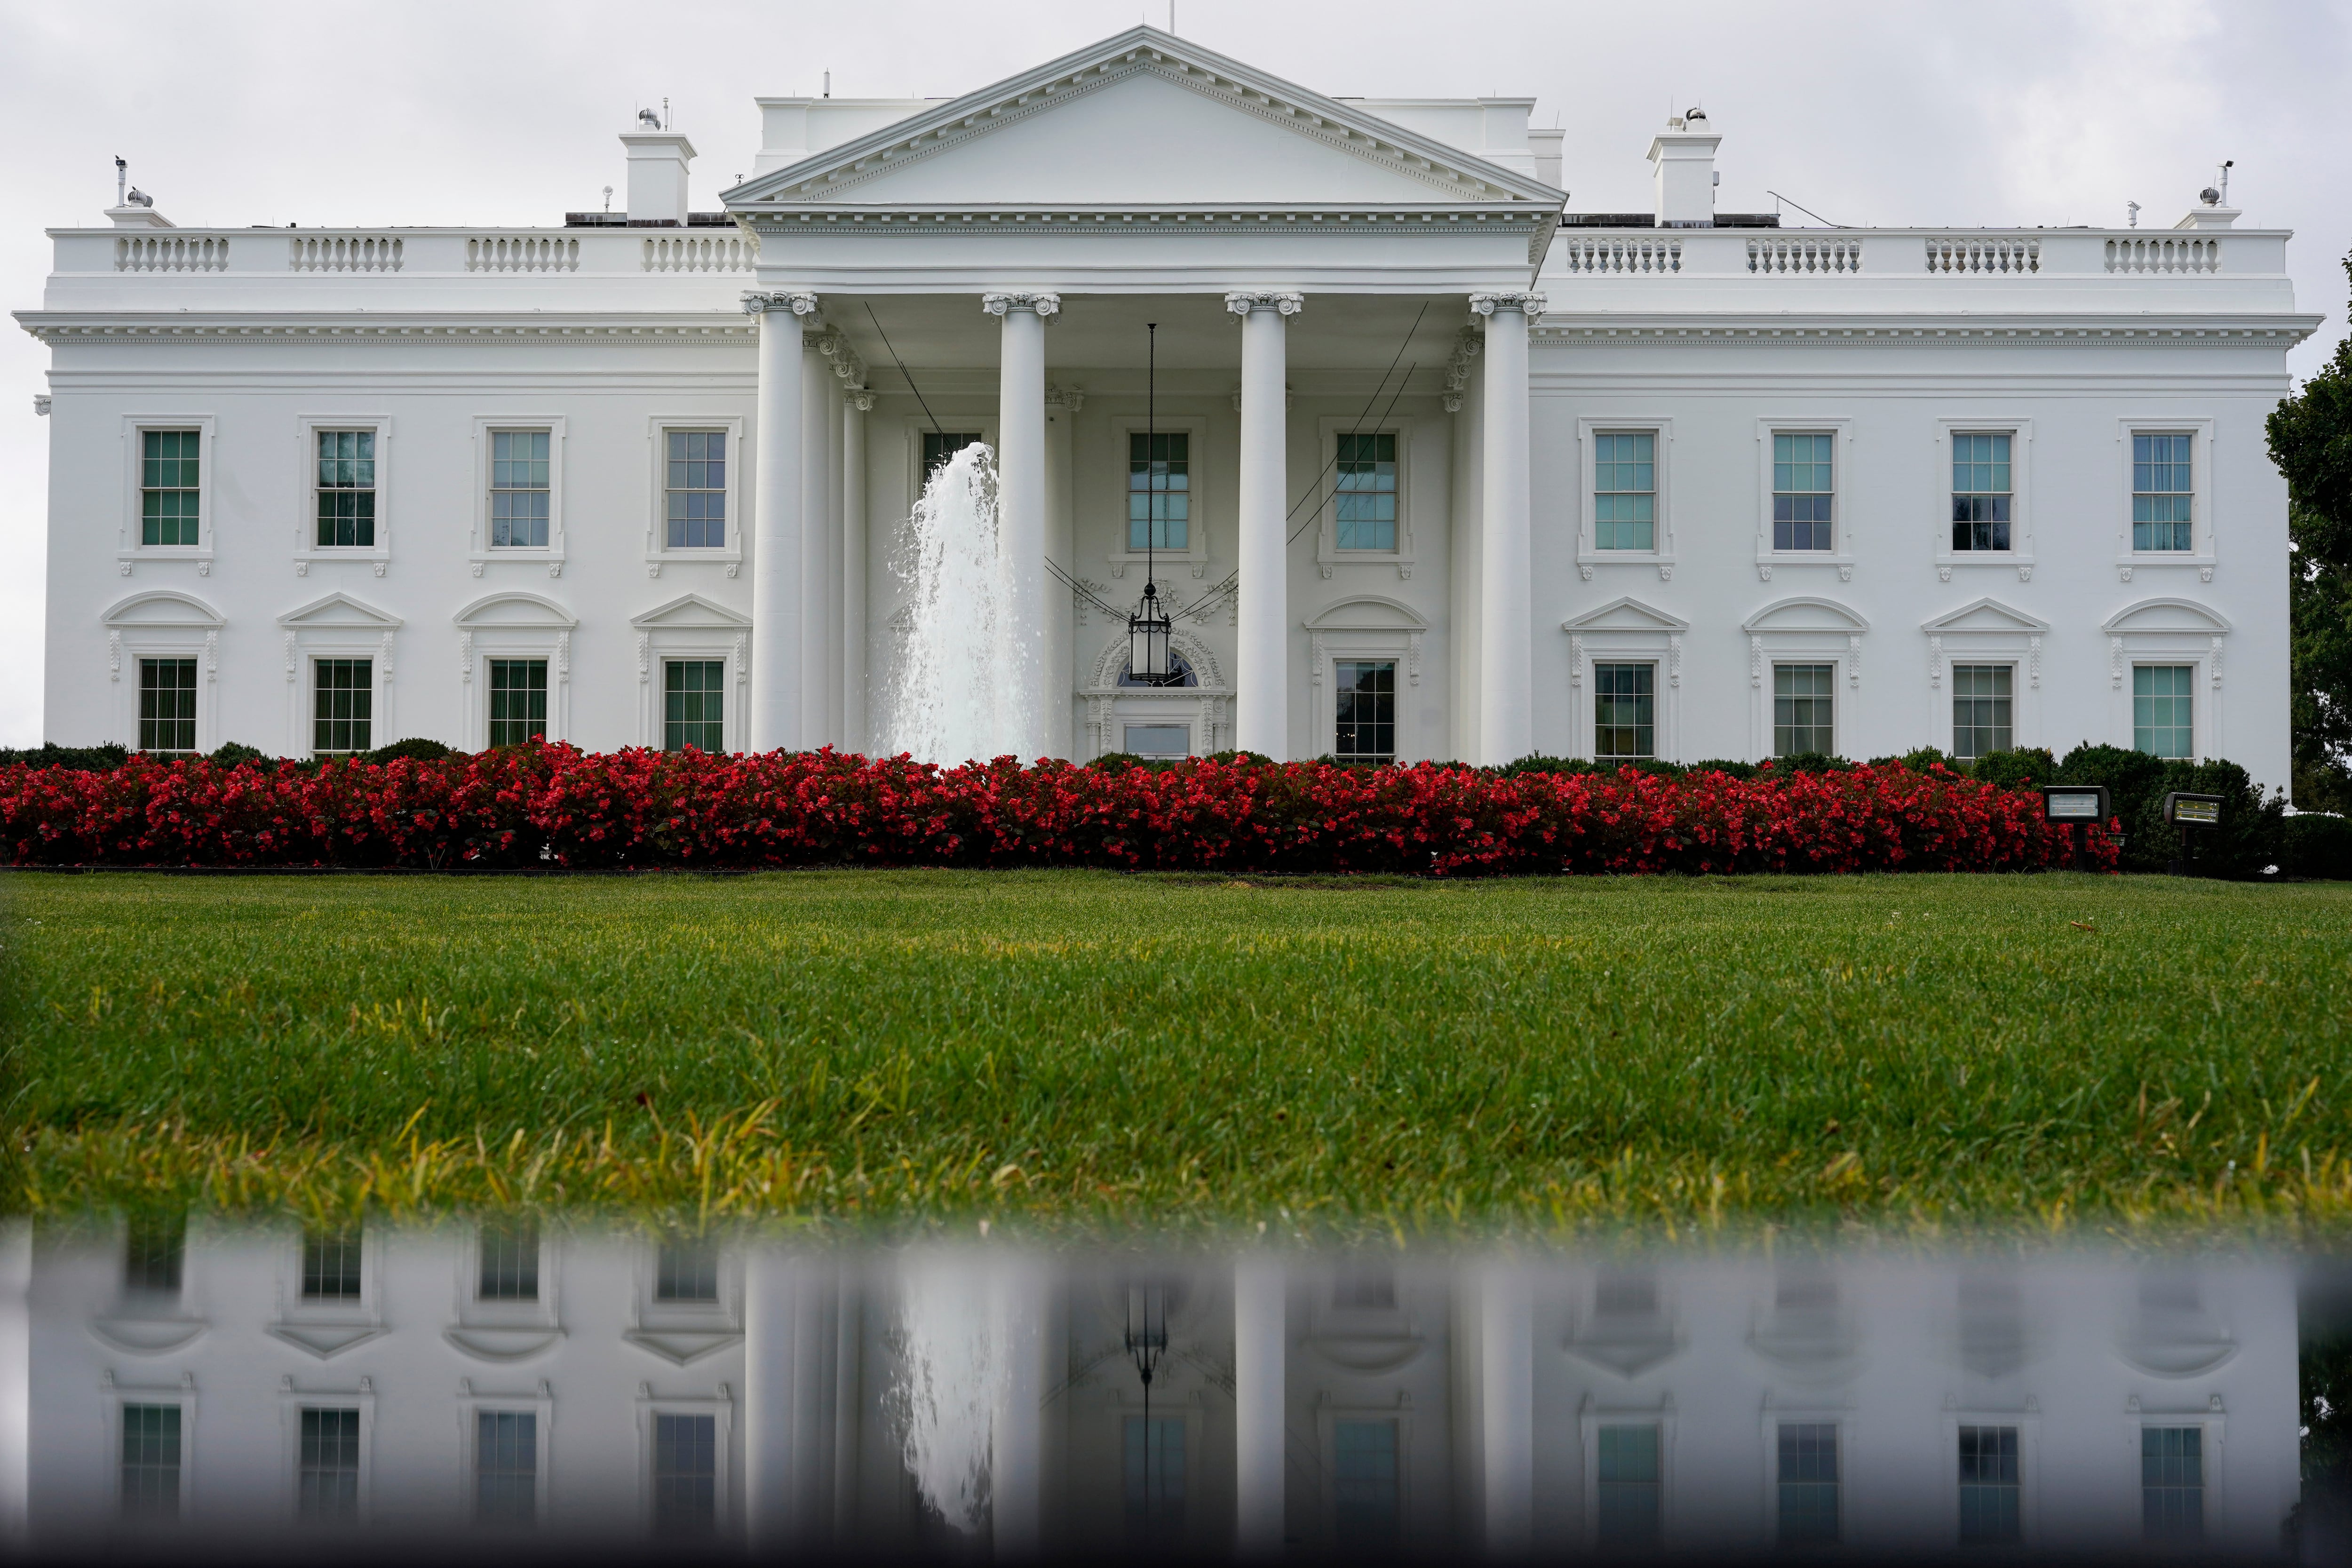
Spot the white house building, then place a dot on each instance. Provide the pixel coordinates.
(1430, 468)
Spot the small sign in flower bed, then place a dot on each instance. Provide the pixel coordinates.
(542, 805)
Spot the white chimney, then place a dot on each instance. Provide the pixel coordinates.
(1683, 157)
(657, 163)
(1545, 144)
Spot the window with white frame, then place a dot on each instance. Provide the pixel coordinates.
(167, 704)
(686, 1269)
(695, 494)
(1625, 490)
(150, 1470)
(343, 714)
(694, 704)
(331, 1263)
(517, 700)
(1159, 491)
(1365, 1484)
(1982, 712)
(1804, 489)
(1364, 490)
(2163, 493)
(506, 1467)
(939, 446)
(345, 490)
(1804, 708)
(2164, 709)
(509, 1261)
(1982, 490)
(1989, 1485)
(2172, 1483)
(1808, 1480)
(686, 1475)
(154, 1255)
(170, 494)
(521, 493)
(1158, 740)
(1624, 711)
(1626, 1511)
(1366, 711)
(1154, 1477)
(326, 1467)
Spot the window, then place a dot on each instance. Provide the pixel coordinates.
(2161, 492)
(1627, 1507)
(1160, 740)
(1980, 709)
(1367, 729)
(1159, 491)
(1155, 1479)
(346, 700)
(939, 446)
(1809, 1482)
(517, 700)
(1364, 496)
(327, 1479)
(506, 1467)
(695, 495)
(1177, 665)
(518, 489)
(1804, 708)
(1365, 1291)
(509, 1262)
(169, 495)
(1988, 1486)
(331, 1265)
(1625, 490)
(346, 489)
(686, 1271)
(2164, 708)
(1980, 492)
(2172, 1483)
(694, 704)
(686, 1474)
(1364, 1482)
(1802, 491)
(150, 1461)
(154, 1254)
(1624, 711)
(167, 704)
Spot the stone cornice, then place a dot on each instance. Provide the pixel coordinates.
(57, 327)
(1601, 330)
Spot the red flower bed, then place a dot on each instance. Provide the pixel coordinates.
(554, 805)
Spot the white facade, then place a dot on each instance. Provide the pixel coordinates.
(1299, 1403)
(1319, 269)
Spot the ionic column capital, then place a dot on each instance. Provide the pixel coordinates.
(1044, 306)
(1242, 303)
(1532, 306)
(799, 303)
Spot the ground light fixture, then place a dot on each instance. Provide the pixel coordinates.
(2193, 815)
(1150, 660)
(2078, 805)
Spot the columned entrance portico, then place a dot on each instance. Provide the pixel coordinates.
(1261, 661)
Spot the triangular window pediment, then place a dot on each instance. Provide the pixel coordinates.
(1142, 118)
(1985, 615)
(339, 610)
(690, 611)
(1628, 615)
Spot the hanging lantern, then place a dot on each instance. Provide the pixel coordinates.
(1151, 661)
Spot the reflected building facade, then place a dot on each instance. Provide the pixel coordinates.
(493, 1380)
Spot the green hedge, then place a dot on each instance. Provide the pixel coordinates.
(2316, 845)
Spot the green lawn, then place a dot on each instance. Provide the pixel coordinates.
(1089, 1050)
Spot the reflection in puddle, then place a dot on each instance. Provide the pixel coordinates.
(210, 1386)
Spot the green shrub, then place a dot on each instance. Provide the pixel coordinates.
(1542, 764)
(230, 753)
(2316, 844)
(1813, 762)
(1655, 767)
(2027, 767)
(416, 749)
(79, 759)
(1724, 765)
(2246, 842)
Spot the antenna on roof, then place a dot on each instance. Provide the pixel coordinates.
(828, 84)
(665, 114)
(608, 198)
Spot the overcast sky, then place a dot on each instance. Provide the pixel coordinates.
(500, 111)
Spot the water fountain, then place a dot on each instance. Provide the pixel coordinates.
(956, 693)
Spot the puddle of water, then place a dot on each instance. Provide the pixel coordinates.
(170, 1390)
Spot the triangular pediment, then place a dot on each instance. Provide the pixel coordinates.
(2167, 615)
(1806, 615)
(339, 610)
(1626, 615)
(1985, 615)
(515, 610)
(162, 608)
(1142, 118)
(690, 610)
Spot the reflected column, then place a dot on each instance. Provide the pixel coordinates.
(1261, 1338)
(1506, 1410)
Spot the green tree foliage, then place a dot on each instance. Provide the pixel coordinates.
(2311, 441)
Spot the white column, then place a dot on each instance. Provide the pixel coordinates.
(1507, 1411)
(1260, 1337)
(858, 733)
(1062, 408)
(820, 581)
(1016, 1434)
(1466, 514)
(770, 1387)
(1261, 657)
(1020, 494)
(776, 613)
(15, 1384)
(1506, 610)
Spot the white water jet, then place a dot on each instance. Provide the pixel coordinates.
(950, 1384)
(957, 693)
